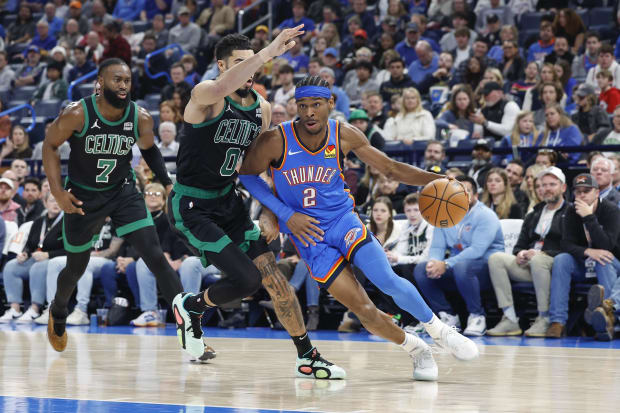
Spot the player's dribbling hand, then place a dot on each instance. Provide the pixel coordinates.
(283, 43)
(67, 202)
(302, 226)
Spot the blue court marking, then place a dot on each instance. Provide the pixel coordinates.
(267, 333)
(52, 405)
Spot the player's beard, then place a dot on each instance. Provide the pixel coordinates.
(244, 92)
(111, 97)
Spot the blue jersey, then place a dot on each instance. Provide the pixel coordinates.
(312, 183)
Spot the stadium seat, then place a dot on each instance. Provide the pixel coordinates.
(155, 115)
(462, 160)
(83, 90)
(530, 21)
(152, 101)
(7, 19)
(48, 108)
(23, 93)
(600, 18)
(37, 134)
(585, 16)
(140, 26)
(20, 113)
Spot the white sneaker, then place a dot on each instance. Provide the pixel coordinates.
(476, 325)
(44, 318)
(450, 320)
(460, 346)
(147, 319)
(77, 318)
(10, 315)
(424, 366)
(28, 316)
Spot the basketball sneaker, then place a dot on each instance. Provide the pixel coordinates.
(10, 315)
(316, 367)
(460, 346)
(189, 330)
(207, 355)
(424, 366)
(43, 319)
(450, 320)
(56, 332)
(476, 325)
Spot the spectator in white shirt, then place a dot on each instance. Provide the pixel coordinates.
(168, 146)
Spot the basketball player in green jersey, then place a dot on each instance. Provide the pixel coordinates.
(101, 131)
(221, 120)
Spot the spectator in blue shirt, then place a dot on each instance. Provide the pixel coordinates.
(470, 243)
(406, 48)
(55, 23)
(43, 40)
(299, 17)
(544, 46)
(560, 131)
(155, 7)
(368, 21)
(128, 10)
(297, 59)
(426, 63)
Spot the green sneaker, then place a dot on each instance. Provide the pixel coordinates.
(189, 330)
(316, 367)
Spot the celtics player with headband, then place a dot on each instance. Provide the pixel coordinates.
(102, 130)
(221, 120)
(313, 204)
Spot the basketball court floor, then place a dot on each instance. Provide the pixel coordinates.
(124, 369)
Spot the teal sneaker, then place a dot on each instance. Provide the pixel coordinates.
(189, 330)
(316, 367)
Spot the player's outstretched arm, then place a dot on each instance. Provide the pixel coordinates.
(70, 120)
(150, 152)
(351, 139)
(209, 92)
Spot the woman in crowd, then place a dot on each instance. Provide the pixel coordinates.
(560, 131)
(319, 47)
(533, 100)
(568, 23)
(591, 119)
(413, 122)
(564, 71)
(506, 33)
(458, 110)
(366, 186)
(474, 72)
(523, 134)
(520, 88)
(382, 222)
(550, 94)
(17, 146)
(330, 33)
(168, 112)
(491, 74)
(512, 64)
(498, 195)
(528, 187)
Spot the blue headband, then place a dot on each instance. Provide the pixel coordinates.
(312, 92)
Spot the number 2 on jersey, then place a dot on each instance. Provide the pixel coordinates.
(230, 163)
(309, 197)
(108, 166)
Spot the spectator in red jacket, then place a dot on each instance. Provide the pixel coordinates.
(117, 45)
(610, 96)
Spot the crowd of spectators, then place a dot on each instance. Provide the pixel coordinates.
(521, 88)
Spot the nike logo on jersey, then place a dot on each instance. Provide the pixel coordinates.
(96, 125)
(293, 153)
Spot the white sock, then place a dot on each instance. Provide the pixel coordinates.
(411, 343)
(510, 314)
(433, 327)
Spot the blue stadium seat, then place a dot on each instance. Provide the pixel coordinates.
(585, 16)
(140, 26)
(462, 160)
(152, 101)
(530, 21)
(48, 108)
(23, 93)
(7, 19)
(37, 134)
(600, 17)
(20, 113)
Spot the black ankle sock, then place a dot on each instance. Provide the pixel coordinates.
(196, 303)
(303, 344)
(60, 319)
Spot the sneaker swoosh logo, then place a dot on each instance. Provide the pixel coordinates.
(293, 153)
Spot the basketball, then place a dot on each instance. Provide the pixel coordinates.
(443, 203)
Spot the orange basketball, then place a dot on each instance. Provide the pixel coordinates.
(443, 203)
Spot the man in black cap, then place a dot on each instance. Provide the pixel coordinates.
(481, 162)
(589, 250)
(492, 30)
(498, 115)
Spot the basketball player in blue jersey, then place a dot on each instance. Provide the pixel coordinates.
(313, 204)
(221, 120)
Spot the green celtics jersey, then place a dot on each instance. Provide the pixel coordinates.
(209, 151)
(101, 152)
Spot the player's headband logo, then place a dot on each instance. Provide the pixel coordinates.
(312, 92)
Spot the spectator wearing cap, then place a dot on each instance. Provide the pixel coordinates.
(492, 30)
(537, 51)
(532, 257)
(342, 100)
(602, 169)
(29, 73)
(390, 27)
(297, 59)
(359, 119)
(470, 243)
(128, 10)
(262, 33)
(398, 80)
(155, 7)
(218, 20)
(55, 87)
(406, 48)
(412, 123)
(360, 83)
(299, 17)
(481, 162)
(359, 9)
(589, 245)
(560, 131)
(75, 12)
(498, 114)
(54, 23)
(609, 97)
(287, 90)
(117, 45)
(43, 39)
(349, 51)
(426, 63)
(591, 119)
(8, 207)
(495, 8)
(448, 40)
(185, 33)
